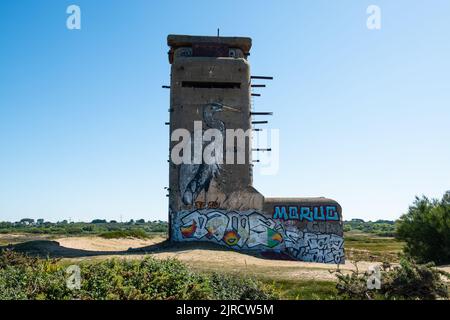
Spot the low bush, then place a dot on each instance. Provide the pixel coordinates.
(23, 277)
(408, 280)
(227, 287)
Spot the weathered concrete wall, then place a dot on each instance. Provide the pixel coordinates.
(218, 203)
(187, 106)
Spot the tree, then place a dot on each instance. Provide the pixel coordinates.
(96, 221)
(27, 221)
(426, 230)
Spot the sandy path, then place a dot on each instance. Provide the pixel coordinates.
(212, 260)
(101, 244)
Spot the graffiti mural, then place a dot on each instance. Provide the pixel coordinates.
(251, 230)
(302, 213)
(195, 178)
(315, 247)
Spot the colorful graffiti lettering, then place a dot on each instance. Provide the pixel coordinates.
(231, 238)
(273, 238)
(254, 231)
(199, 204)
(189, 231)
(202, 205)
(313, 247)
(315, 213)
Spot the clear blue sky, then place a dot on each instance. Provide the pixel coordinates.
(363, 115)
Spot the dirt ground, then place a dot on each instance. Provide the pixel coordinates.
(198, 256)
(214, 260)
(100, 244)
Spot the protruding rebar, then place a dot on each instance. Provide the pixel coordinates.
(262, 149)
(261, 77)
(261, 113)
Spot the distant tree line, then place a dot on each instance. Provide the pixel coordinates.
(384, 228)
(95, 227)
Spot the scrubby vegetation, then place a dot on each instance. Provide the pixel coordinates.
(384, 228)
(426, 230)
(23, 277)
(408, 280)
(112, 229)
(422, 235)
(367, 247)
(302, 289)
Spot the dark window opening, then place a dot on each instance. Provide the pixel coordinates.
(211, 85)
(210, 50)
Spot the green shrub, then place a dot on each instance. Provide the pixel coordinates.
(409, 280)
(23, 277)
(426, 230)
(414, 281)
(228, 287)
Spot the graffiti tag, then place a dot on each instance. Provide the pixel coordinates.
(301, 213)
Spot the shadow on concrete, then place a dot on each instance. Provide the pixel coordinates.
(53, 249)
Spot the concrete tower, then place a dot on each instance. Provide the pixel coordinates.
(210, 92)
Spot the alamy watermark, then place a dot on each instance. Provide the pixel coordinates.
(374, 278)
(73, 21)
(374, 18)
(217, 146)
(73, 281)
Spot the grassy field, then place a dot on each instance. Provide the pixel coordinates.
(368, 247)
(305, 289)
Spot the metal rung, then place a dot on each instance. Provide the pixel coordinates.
(258, 149)
(261, 113)
(261, 77)
(260, 122)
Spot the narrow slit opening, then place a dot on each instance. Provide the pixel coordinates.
(211, 85)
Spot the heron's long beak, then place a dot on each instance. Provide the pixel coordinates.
(231, 109)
